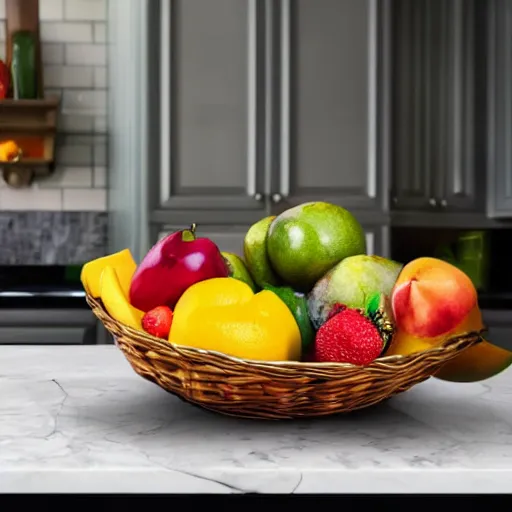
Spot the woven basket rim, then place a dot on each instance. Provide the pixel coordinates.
(100, 311)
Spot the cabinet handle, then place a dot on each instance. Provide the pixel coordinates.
(277, 198)
(165, 101)
(284, 114)
(258, 196)
(433, 202)
(252, 106)
(458, 76)
(444, 203)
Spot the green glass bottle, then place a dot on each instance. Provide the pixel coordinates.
(23, 66)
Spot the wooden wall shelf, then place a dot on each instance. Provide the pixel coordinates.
(28, 115)
(32, 124)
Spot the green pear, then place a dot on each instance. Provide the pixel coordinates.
(255, 253)
(238, 270)
(351, 282)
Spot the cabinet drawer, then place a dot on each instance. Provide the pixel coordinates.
(41, 335)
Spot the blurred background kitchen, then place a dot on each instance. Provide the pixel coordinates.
(149, 115)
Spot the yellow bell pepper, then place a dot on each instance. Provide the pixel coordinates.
(9, 151)
(224, 315)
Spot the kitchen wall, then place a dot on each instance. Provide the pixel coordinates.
(74, 53)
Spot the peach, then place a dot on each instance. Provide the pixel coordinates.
(404, 344)
(476, 363)
(431, 297)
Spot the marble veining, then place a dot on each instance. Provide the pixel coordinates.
(52, 238)
(78, 419)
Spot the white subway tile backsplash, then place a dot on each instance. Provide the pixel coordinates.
(56, 32)
(33, 198)
(91, 140)
(100, 32)
(84, 200)
(86, 54)
(75, 155)
(52, 53)
(100, 124)
(93, 102)
(85, 9)
(100, 177)
(74, 54)
(52, 92)
(51, 9)
(69, 76)
(100, 154)
(71, 123)
(68, 177)
(100, 77)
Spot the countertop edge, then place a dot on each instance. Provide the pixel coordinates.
(281, 481)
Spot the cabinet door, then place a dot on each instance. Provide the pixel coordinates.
(499, 165)
(458, 147)
(434, 149)
(412, 183)
(329, 104)
(212, 108)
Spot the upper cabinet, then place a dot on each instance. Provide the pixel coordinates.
(499, 122)
(264, 105)
(332, 83)
(436, 148)
(211, 107)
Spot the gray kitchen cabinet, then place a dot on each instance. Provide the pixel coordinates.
(434, 148)
(211, 110)
(265, 105)
(499, 111)
(331, 87)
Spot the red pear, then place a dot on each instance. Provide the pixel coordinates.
(171, 266)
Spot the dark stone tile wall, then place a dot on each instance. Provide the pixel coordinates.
(52, 238)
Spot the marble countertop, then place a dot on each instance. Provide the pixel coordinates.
(78, 419)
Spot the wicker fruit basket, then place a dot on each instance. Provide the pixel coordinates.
(273, 390)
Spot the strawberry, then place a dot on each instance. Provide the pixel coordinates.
(158, 321)
(348, 337)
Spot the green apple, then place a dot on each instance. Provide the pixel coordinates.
(306, 241)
